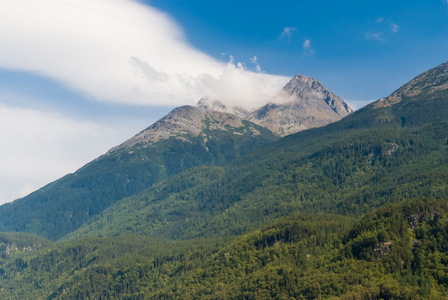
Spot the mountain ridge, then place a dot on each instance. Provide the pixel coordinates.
(356, 209)
(181, 122)
(367, 158)
(185, 138)
(158, 152)
(432, 82)
(302, 104)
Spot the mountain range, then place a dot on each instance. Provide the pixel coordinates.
(187, 137)
(299, 199)
(303, 103)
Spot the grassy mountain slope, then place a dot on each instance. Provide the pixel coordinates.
(164, 149)
(187, 137)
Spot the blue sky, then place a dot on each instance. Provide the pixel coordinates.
(362, 50)
(78, 77)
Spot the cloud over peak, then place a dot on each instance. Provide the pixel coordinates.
(110, 50)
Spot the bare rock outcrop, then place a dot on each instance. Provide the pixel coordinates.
(303, 103)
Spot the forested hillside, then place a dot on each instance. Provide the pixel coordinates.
(399, 251)
(354, 210)
(350, 172)
(66, 204)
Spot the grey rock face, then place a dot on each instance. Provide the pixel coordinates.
(183, 122)
(304, 103)
(308, 88)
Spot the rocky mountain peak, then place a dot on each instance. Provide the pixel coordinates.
(213, 104)
(216, 105)
(303, 87)
(303, 103)
(300, 82)
(184, 122)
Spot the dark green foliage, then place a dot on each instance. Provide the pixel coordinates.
(12, 242)
(95, 268)
(262, 225)
(349, 172)
(382, 153)
(69, 202)
(399, 251)
(304, 259)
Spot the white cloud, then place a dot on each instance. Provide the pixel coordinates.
(287, 33)
(394, 27)
(385, 28)
(236, 86)
(307, 44)
(378, 36)
(109, 50)
(37, 148)
(117, 51)
(257, 65)
(27, 189)
(307, 47)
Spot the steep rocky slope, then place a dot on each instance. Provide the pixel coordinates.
(187, 123)
(304, 103)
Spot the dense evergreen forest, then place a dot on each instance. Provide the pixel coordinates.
(398, 251)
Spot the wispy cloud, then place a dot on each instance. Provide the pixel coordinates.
(383, 27)
(394, 27)
(54, 143)
(110, 50)
(378, 36)
(287, 33)
(307, 47)
(307, 44)
(115, 51)
(237, 86)
(257, 65)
